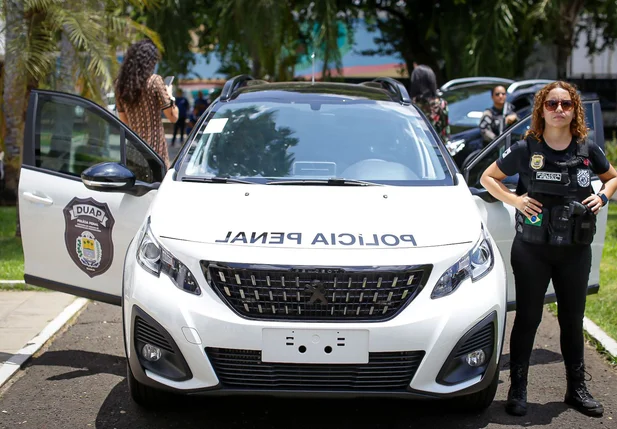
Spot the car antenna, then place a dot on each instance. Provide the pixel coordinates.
(313, 73)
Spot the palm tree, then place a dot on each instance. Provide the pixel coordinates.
(37, 34)
(270, 33)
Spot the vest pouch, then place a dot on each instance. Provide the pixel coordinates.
(561, 226)
(530, 232)
(584, 228)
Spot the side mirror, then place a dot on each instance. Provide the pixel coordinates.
(483, 194)
(108, 177)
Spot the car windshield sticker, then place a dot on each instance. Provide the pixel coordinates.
(215, 125)
(319, 239)
(88, 235)
(584, 177)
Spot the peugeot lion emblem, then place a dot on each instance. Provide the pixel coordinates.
(318, 291)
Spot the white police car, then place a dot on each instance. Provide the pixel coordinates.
(310, 239)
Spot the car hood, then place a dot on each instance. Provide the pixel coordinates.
(315, 217)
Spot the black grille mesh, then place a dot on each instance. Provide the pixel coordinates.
(319, 295)
(243, 369)
(148, 334)
(483, 339)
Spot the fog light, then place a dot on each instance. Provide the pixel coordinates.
(151, 353)
(476, 358)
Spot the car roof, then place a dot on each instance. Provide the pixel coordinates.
(311, 90)
(245, 87)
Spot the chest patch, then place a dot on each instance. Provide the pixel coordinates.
(584, 177)
(551, 177)
(537, 161)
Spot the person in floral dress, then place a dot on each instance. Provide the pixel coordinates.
(424, 95)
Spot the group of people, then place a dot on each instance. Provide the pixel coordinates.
(555, 222)
(423, 90)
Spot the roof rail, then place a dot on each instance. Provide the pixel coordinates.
(232, 84)
(477, 79)
(527, 83)
(393, 86)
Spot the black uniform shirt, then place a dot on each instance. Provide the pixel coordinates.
(516, 160)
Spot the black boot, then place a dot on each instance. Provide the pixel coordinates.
(577, 394)
(517, 395)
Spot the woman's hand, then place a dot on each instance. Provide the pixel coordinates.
(594, 203)
(528, 206)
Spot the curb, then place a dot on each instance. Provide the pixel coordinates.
(12, 282)
(12, 365)
(609, 344)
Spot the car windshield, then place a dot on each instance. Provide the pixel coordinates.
(314, 140)
(466, 104)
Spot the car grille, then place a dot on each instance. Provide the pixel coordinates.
(310, 294)
(146, 333)
(483, 339)
(243, 369)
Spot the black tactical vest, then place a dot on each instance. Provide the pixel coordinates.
(560, 187)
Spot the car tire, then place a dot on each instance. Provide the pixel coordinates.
(145, 396)
(479, 401)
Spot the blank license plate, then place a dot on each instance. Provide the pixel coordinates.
(314, 345)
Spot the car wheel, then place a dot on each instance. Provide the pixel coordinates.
(143, 395)
(479, 401)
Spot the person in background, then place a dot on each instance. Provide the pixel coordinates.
(424, 94)
(141, 95)
(200, 106)
(183, 110)
(497, 118)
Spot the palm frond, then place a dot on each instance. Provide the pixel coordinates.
(33, 52)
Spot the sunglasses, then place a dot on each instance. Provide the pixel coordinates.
(566, 105)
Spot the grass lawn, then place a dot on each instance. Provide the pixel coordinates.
(602, 308)
(11, 254)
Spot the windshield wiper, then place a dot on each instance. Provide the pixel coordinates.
(216, 179)
(331, 182)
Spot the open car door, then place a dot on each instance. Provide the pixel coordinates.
(500, 217)
(75, 232)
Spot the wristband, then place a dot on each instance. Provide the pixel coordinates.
(604, 198)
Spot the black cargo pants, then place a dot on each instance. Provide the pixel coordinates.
(534, 265)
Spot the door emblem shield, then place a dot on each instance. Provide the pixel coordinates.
(88, 226)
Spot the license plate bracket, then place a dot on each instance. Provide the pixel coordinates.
(338, 346)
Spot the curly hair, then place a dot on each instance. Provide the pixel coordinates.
(578, 127)
(137, 66)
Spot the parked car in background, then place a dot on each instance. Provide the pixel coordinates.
(468, 98)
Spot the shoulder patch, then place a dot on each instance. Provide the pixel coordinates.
(506, 152)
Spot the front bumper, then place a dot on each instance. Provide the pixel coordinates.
(221, 353)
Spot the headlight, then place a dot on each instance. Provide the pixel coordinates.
(475, 265)
(155, 259)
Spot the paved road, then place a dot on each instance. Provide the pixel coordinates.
(79, 382)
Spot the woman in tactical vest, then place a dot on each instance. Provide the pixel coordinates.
(556, 210)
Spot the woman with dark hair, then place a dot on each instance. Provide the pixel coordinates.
(555, 225)
(498, 117)
(141, 95)
(424, 95)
